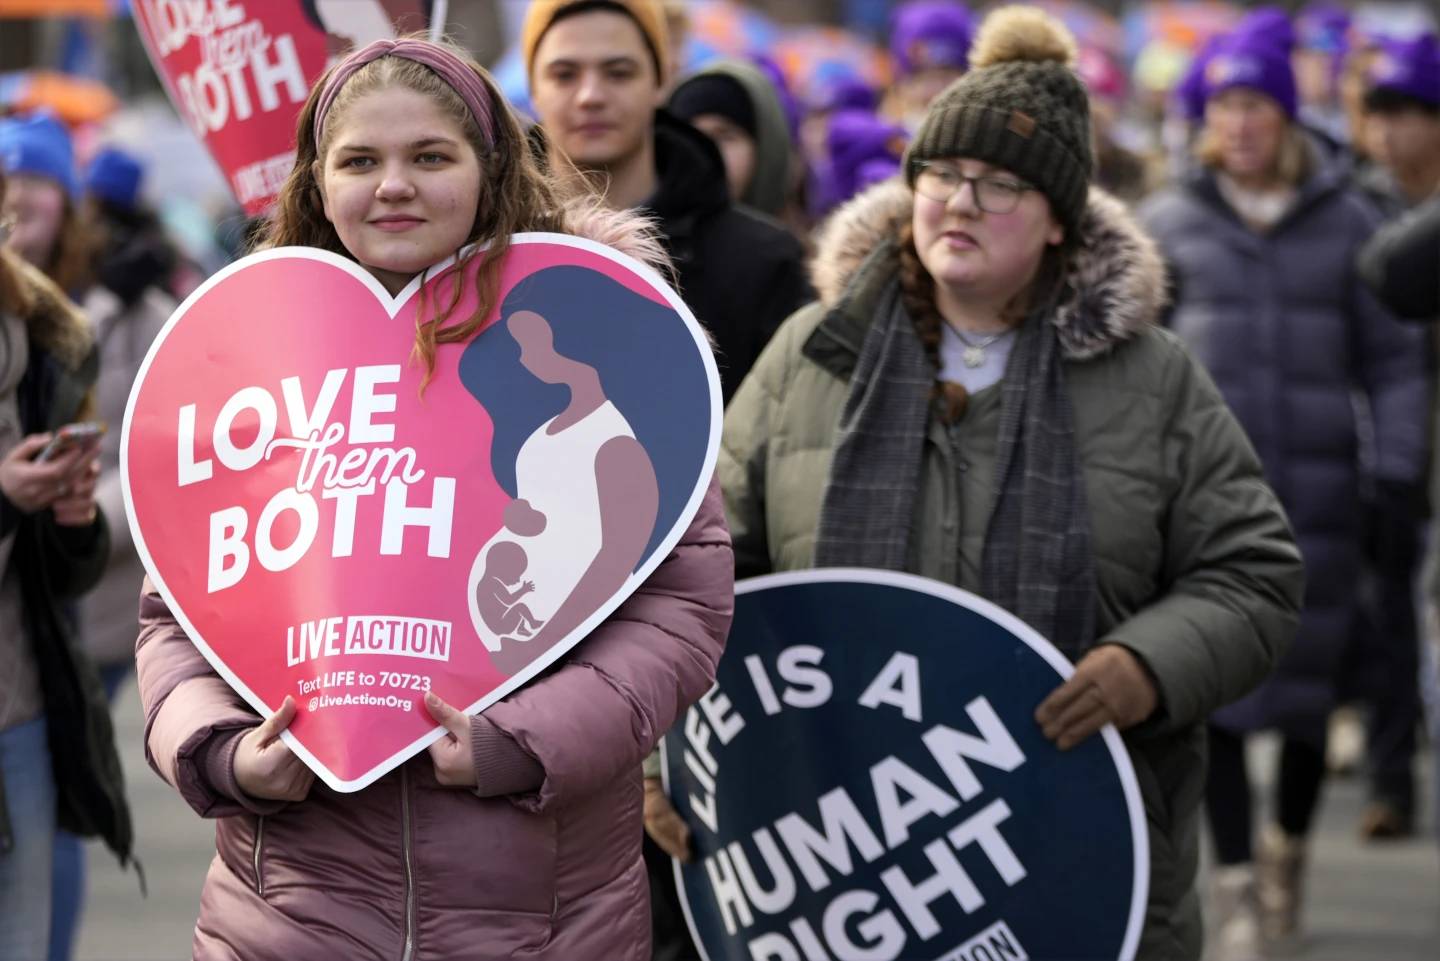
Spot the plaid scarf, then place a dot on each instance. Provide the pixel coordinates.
(1037, 561)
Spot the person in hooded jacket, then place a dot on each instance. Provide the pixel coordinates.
(1261, 240)
(982, 396)
(734, 104)
(598, 74)
(58, 766)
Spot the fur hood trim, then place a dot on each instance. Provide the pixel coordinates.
(51, 319)
(631, 233)
(1116, 278)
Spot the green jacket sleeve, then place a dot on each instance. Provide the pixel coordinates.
(745, 446)
(1233, 579)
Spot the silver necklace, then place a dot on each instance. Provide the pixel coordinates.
(974, 355)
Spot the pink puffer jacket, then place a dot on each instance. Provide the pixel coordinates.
(409, 869)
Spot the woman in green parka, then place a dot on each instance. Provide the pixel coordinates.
(981, 396)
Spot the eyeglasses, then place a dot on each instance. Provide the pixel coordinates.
(994, 195)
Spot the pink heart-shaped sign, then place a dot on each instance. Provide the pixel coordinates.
(325, 524)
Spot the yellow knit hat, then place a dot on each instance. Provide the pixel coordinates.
(649, 16)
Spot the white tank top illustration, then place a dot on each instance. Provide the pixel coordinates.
(555, 474)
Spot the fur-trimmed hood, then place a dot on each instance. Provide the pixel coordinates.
(1116, 279)
(631, 233)
(52, 321)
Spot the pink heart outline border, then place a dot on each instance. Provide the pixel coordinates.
(392, 307)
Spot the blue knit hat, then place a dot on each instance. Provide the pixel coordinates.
(38, 144)
(1255, 62)
(1322, 26)
(115, 175)
(931, 33)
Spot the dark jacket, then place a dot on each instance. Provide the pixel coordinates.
(56, 565)
(739, 271)
(1196, 572)
(1401, 263)
(1290, 335)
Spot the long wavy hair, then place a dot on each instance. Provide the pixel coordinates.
(514, 195)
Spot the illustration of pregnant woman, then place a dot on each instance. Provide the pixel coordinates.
(585, 508)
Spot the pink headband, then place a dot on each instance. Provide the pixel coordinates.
(450, 68)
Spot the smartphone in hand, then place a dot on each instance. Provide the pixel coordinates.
(69, 436)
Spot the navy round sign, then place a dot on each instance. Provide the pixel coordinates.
(866, 781)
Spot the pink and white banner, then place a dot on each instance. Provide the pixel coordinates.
(325, 528)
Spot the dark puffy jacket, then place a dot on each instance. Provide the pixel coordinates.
(740, 272)
(56, 565)
(1291, 336)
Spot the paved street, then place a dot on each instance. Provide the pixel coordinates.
(1369, 903)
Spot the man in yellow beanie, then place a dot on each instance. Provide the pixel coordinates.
(599, 72)
(648, 16)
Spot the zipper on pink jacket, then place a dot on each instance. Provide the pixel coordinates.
(409, 869)
(259, 844)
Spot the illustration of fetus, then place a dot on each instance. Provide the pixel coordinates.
(500, 590)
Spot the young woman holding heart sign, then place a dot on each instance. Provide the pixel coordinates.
(519, 832)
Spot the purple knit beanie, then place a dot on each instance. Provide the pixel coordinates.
(1256, 63)
(1190, 91)
(1410, 68)
(931, 33)
(1270, 25)
(855, 144)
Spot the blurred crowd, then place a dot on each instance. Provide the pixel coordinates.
(1271, 153)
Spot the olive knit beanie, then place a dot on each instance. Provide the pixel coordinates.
(1021, 107)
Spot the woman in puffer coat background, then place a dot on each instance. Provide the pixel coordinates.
(1262, 240)
(981, 397)
(518, 834)
(58, 765)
